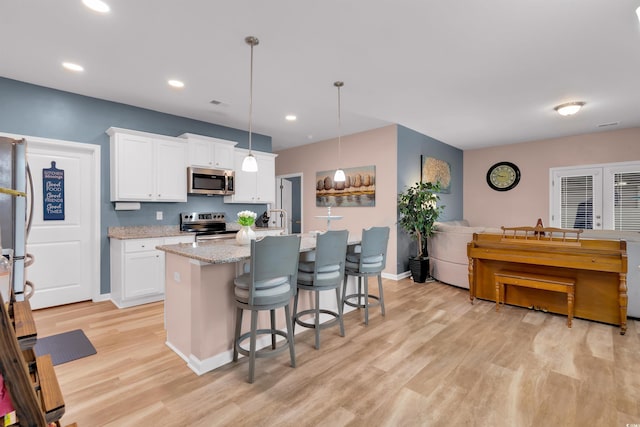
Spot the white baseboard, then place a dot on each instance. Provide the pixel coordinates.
(397, 277)
(101, 297)
(176, 351)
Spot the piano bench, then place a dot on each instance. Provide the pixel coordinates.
(535, 281)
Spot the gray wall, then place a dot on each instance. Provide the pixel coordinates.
(38, 111)
(411, 145)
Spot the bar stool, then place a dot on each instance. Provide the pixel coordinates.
(369, 259)
(270, 284)
(323, 274)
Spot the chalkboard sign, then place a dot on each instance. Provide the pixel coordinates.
(53, 193)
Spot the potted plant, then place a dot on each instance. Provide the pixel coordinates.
(418, 210)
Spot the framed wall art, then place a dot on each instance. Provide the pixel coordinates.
(436, 170)
(359, 188)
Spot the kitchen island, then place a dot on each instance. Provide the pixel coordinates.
(200, 302)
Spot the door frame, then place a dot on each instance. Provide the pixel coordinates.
(93, 151)
(301, 176)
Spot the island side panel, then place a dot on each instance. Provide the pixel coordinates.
(213, 309)
(177, 303)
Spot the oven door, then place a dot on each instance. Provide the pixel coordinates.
(216, 236)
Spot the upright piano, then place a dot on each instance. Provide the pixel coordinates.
(598, 267)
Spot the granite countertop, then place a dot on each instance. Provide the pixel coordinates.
(227, 250)
(150, 231)
(145, 231)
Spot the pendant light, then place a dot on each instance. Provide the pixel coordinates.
(249, 163)
(339, 176)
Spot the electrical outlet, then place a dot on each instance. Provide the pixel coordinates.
(159, 215)
(176, 277)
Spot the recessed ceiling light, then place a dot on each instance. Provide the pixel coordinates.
(638, 12)
(569, 108)
(176, 83)
(290, 118)
(97, 5)
(72, 67)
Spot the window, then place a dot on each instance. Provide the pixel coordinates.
(601, 197)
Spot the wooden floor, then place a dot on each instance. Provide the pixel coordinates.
(434, 360)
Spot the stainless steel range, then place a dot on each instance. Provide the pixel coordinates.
(206, 225)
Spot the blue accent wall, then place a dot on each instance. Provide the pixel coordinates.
(411, 145)
(32, 110)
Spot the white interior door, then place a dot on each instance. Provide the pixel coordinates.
(66, 251)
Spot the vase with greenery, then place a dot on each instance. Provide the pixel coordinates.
(419, 210)
(246, 234)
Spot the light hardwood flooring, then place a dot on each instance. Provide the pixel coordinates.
(434, 360)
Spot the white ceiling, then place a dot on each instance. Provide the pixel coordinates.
(469, 73)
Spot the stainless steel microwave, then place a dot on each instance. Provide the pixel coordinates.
(210, 181)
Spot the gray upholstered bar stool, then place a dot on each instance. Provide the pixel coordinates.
(270, 284)
(323, 274)
(370, 260)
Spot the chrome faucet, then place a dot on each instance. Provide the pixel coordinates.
(285, 221)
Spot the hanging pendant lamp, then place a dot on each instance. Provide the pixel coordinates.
(249, 164)
(339, 175)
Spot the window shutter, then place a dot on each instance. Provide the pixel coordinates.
(576, 202)
(626, 201)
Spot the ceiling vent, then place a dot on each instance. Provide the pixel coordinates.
(604, 125)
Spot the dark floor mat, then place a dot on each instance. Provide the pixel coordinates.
(65, 347)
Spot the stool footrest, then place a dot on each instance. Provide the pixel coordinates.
(361, 296)
(323, 325)
(265, 351)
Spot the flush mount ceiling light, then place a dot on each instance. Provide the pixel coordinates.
(249, 164)
(72, 67)
(569, 108)
(176, 83)
(339, 176)
(97, 6)
(290, 118)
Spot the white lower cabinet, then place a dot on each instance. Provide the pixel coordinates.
(137, 269)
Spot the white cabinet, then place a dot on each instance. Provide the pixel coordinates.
(254, 187)
(147, 167)
(137, 269)
(208, 152)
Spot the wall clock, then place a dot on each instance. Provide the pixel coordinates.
(503, 176)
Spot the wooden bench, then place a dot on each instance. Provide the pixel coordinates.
(535, 281)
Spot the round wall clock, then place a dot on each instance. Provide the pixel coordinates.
(503, 176)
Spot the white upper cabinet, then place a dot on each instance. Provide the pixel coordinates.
(147, 167)
(208, 152)
(254, 187)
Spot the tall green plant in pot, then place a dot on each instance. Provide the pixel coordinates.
(419, 210)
